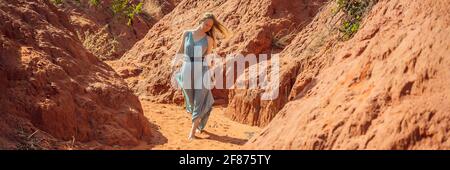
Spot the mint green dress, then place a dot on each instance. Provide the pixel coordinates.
(194, 79)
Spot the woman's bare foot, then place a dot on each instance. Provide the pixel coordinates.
(193, 129)
(191, 137)
(198, 131)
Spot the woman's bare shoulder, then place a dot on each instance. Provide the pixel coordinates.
(186, 31)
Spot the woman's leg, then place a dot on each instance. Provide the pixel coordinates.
(195, 124)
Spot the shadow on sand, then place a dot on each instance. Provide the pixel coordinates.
(157, 137)
(224, 139)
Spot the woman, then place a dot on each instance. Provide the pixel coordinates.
(196, 44)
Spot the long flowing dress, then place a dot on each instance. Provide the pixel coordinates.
(193, 77)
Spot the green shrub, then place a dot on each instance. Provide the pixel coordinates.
(354, 11)
(94, 2)
(282, 38)
(124, 8)
(56, 2)
(100, 43)
(127, 9)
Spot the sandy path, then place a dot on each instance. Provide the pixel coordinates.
(171, 125)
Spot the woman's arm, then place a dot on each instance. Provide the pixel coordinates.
(209, 50)
(210, 45)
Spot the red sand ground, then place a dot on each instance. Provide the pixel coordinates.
(171, 125)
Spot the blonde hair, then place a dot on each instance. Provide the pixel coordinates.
(217, 27)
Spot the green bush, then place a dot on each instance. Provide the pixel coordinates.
(56, 2)
(124, 8)
(94, 2)
(354, 11)
(127, 9)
